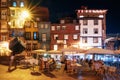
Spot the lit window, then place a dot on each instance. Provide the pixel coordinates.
(66, 36)
(75, 36)
(52, 28)
(62, 21)
(95, 22)
(77, 27)
(27, 24)
(14, 3)
(84, 40)
(63, 27)
(12, 12)
(58, 27)
(85, 30)
(85, 22)
(35, 35)
(42, 26)
(4, 14)
(35, 24)
(95, 39)
(3, 37)
(37, 19)
(44, 36)
(3, 2)
(55, 47)
(100, 16)
(21, 4)
(95, 30)
(56, 37)
(46, 26)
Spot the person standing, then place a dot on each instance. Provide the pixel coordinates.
(12, 62)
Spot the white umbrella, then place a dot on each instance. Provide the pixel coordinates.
(54, 52)
(72, 49)
(39, 51)
(99, 51)
(117, 51)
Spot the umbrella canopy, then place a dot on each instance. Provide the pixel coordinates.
(54, 52)
(117, 51)
(72, 49)
(99, 51)
(39, 51)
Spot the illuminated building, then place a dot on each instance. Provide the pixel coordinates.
(92, 27)
(64, 34)
(40, 15)
(4, 17)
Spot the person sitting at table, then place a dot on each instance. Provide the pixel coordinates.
(41, 64)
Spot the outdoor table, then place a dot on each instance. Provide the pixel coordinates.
(76, 67)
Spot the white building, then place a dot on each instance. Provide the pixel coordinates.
(92, 27)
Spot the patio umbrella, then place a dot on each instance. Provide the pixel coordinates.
(39, 51)
(72, 49)
(117, 51)
(99, 51)
(54, 52)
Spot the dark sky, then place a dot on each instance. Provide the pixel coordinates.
(62, 8)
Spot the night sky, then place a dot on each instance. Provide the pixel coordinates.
(62, 8)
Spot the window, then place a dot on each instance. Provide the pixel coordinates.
(41, 26)
(95, 30)
(35, 24)
(77, 27)
(56, 37)
(62, 21)
(46, 26)
(27, 35)
(85, 22)
(66, 36)
(28, 46)
(95, 22)
(84, 40)
(85, 30)
(12, 12)
(55, 47)
(35, 35)
(21, 4)
(4, 14)
(75, 36)
(3, 37)
(63, 27)
(95, 40)
(58, 27)
(37, 19)
(14, 3)
(44, 37)
(3, 2)
(27, 24)
(34, 46)
(4, 27)
(52, 28)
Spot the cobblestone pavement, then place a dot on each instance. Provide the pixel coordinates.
(25, 74)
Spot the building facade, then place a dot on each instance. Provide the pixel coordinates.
(44, 35)
(4, 17)
(64, 34)
(92, 27)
